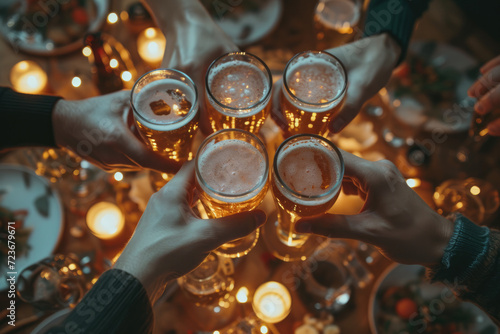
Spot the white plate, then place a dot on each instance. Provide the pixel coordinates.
(35, 43)
(22, 188)
(259, 23)
(400, 275)
(412, 110)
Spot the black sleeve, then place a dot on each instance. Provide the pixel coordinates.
(117, 303)
(396, 17)
(26, 119)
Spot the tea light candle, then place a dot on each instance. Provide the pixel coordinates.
(105, 220)
(272, 302)
(151, 45)
(28, 77)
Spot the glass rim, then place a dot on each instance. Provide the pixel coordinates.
(261, 183)
(299, 195)
(239, 53)
(338, 96)
(190, 82)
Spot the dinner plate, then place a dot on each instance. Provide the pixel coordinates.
(22, 189)
(25, 34)
(441, 104)
(398, 275)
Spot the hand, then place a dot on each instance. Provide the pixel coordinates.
(194, 42)
(170, 240)
(369, 63)
(394, 218)
(487, 90)
(96, 129)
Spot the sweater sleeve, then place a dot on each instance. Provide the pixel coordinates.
(117, 303)
(470, 266)
(396, 17)
(26, 119)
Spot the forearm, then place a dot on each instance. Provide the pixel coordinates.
(116, 304)
(26, 119)
(471, 266)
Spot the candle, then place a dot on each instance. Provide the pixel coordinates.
(28, 77)
(272, 302)
(151, 45)
(105, 220)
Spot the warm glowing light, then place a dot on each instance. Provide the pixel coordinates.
(475, 190)
(124, 15)
(118, 176)
(272, 302)
(105, 220)
(242, 295)
(113, 63)
(264, 329)
(28, 77)
(76, 82)
(126, 76)
(413, 183)
(459, 205)
(112, 18)
(396, 103)
(151, 45)
(87, 51)
(216, 332)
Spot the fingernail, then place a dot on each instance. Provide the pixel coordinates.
(260, 217)
(494, 129)
(471, 93)
(303, 227)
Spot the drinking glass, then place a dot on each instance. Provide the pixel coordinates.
(306, 179)
(313, 90)
(238, 87)
(232, 170)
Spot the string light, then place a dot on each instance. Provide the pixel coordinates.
(113, 63)
(87, 51)
(126, 76)
(76, 82)
(112, 18)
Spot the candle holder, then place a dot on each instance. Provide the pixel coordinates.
(151, 45)
(272, 302)
(28, 77)
(106, 221)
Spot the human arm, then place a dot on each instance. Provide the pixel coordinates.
(487, 90)
(169, 241)
(406, 230)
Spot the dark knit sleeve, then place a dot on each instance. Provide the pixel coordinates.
(117, 303)
(470, 266)
(396, 17)
(26, 119)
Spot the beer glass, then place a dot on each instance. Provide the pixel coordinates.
(231, 176)
(306, 179)
(334, 22)
(238, 91)
(165, 107)
(313, 90)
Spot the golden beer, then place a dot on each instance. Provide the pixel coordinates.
(238, 91)
(231, 177)
(165, 106)
(313, 90)
(334, 22)
(307, 176)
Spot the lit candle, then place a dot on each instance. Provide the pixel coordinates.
(105, 220)
(151, 45)
(28, 77)
(272, 302)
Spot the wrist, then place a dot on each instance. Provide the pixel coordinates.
(390, 48)
(59, 122)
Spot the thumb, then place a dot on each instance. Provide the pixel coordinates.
(354, 102)
(235, 226)
(340, 226)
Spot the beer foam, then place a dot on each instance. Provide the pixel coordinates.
(338, 14)
(232, 167)
(315, 80)
(238, 84)
(159, 91)
(310, 169)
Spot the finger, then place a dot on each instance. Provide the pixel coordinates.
(341, 226)
(222, 230)
(181, 183)
(489, 65)
(489, 101)
(494, 128)
(348, 112)
(360, 171)
(485, 83)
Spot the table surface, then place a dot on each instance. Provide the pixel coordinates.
(443, 22)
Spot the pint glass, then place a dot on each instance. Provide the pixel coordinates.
(231, 176)
(313, 90)
(238, 91)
